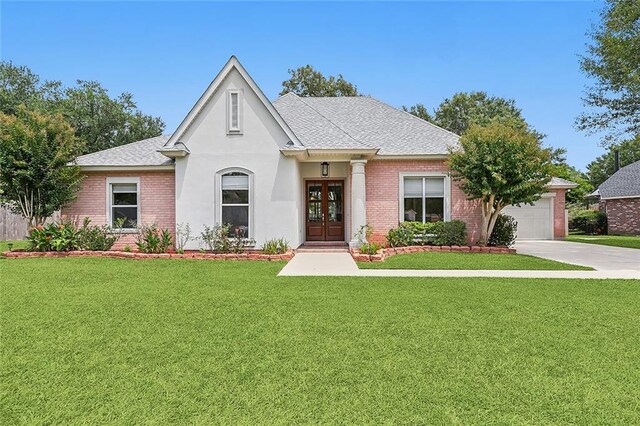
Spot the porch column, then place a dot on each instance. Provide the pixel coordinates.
(358, 199)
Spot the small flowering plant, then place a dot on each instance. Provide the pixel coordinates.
(151, 239)
(62, 236)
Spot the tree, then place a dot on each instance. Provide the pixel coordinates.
(613, 61)
(305, 81)
(463, 110)
(500, 164)
(99, 120)
(420, 111)
(603, 167)
(560, 168)
(35, 150)
(103, 122)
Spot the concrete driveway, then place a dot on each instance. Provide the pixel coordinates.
(602, 258)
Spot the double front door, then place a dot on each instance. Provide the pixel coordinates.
(325, 210)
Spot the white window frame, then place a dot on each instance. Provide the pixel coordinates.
(234, 130)
(447, 192)
(129, 180)
(218, 197)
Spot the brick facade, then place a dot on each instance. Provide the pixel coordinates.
(559, 217)
(623, 215)
(382, 182)
(157, 200)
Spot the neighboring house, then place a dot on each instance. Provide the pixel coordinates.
(620, 199)
(303, 169)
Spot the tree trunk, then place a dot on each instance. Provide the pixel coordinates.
(489, 216)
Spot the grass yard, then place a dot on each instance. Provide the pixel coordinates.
(18, 244)
(454, 260)
(94, 340)
(607, 240)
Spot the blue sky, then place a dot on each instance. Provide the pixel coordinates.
(166, 53)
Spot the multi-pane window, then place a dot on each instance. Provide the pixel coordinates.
(235, 203)
(423, 199)
(124, 204)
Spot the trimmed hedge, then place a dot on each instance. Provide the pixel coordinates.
(433, 233)
(588, 221)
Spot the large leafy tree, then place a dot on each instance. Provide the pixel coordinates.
(613, 62)
(463, 110)
(35, 151)
(562, 169)
(306, 81)
(420, 111)
(98, 119)
(603, 167)
(500, 164)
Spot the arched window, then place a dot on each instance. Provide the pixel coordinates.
(235, 203)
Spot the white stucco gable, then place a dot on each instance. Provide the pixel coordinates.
(250, 147)
(232, 76)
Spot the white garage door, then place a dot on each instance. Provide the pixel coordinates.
(534, 222)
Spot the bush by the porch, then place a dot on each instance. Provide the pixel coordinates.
(433, 233)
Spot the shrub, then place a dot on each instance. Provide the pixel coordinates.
(62, 236)
(183, 236)
(275, 246)
(127, 248)
(432, 233)
(449, 233)
(219, 240)
(588, 221)
(151, 239)
(370, 248)
(98, 238)
(504, 231)
(401, 236)
(364, 233)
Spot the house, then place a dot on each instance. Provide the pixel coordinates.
(303, 169)
(620, 199)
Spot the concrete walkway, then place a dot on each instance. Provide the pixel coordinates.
(601, 258)
(342, 265)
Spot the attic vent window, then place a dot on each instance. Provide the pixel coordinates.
(234, 103)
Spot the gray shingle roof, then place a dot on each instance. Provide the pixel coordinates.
(361, 122)
(623, 183)
(141, 153)
(556, 181)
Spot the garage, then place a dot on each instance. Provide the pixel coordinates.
(534, 222)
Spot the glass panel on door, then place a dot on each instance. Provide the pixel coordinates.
(314, 203)
(334, 197)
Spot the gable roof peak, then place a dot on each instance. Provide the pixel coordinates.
(232, 64)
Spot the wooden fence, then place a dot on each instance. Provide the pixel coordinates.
(14, 226)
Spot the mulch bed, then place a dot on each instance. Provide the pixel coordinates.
(381, 255)
(137, 255)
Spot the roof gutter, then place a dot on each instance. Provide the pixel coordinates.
(114, 168)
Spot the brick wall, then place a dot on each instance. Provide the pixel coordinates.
(559, 228)
(623, 216)
(382, 182)
(157, 200)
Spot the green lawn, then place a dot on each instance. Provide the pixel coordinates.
(96, 340)
(607, 240)
(20, 244)
(449, 260)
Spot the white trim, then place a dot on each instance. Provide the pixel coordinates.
(230, 129)
(622, 197)
(231, 64)
(447, 191)
(217, 203)
(122, 179)
(166, 167)
(411, 157)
